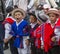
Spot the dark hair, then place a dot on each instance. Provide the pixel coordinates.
(15, 6)
(32, 15)
(9, 9)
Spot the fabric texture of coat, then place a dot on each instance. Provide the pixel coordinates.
(19, 32)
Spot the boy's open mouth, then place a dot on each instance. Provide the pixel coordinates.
(17, 18)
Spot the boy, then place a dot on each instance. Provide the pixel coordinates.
(49, 33)
(33, 27)
(55, 25)
(20, 31)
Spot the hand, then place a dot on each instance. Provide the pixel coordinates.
(6, 40)
(9, 37)
(27, 42)
(53, 39)
(42, 47)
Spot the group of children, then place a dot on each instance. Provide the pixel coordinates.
(34, 38)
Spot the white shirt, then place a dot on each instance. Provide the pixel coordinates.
(23, 4)
(31, 4)
(19, 22)
(7, 30)
(51, 2)
(33, 25)
(56, 0)
(8, 3)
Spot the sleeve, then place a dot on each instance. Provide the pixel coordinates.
(26, 31)
(12, 32)
(8, 3)
(53, 3)
(7, 30)
(31, 4)
(57, 33)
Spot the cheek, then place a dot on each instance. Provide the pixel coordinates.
(52, 18)
(30, 20)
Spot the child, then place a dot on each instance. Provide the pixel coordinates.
(39, 41)
(33, 25)
(55, 25)
(49, 32)
(20, 31)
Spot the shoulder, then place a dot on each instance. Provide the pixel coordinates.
(13, 24)
(25, 22)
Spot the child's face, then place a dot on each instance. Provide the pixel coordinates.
(46, 10)
(52, 17)
(32, 19)
(39, 22)
(18, 16)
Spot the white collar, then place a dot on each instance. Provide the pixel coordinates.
(50, 21)
(54, 23)
(19, 22)
(33, 25)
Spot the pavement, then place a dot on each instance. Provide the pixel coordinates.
(7, 51)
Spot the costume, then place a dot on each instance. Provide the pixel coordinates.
(38, 40)
(20, 33)
(56, 45)
(32, 37)
(49, 31)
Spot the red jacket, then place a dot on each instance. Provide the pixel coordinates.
(46, 32)
(33, 34)
(38, 37)
(49, 33)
